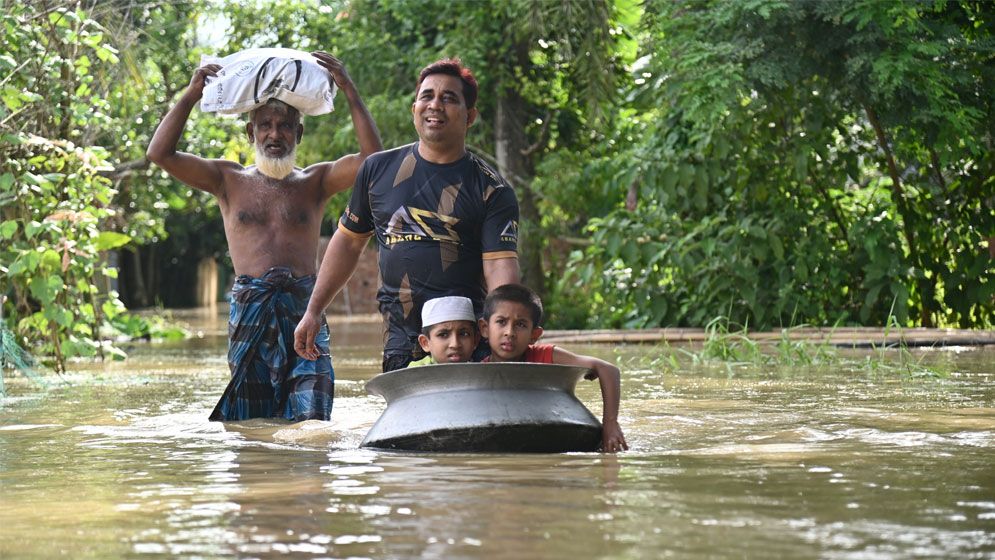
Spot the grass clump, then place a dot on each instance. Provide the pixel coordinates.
(729, 346)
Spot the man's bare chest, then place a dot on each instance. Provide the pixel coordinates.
(288, 207)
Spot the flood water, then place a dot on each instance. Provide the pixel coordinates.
(725, 462)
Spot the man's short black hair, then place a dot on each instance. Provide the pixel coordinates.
(452, 67)
(515, 293)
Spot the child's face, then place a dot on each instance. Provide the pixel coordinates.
(509, 331)
(451, 341)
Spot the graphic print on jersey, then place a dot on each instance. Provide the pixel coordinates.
(415, 224)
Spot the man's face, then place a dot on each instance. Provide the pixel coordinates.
(509, 331)
(275, 131)
(450, 341)
(439, 111)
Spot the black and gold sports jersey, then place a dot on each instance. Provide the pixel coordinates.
(435, 224)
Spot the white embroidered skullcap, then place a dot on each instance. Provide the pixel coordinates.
(449, 308)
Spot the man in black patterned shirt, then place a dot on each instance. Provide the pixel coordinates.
(446, 223)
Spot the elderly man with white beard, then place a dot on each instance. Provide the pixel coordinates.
(272, 215)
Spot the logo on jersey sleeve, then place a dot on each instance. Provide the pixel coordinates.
(351, 216)
(510, 232)
(415, 224)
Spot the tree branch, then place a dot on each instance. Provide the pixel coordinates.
(125, 169)
(543, 133)
(632, 197)
(935, 160)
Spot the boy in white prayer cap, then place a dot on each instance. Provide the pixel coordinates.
(449, 331)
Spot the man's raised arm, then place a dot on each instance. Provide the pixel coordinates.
(338, 264)
(342, 173)
(195, 171)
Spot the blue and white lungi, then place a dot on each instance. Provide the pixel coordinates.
(268, 378)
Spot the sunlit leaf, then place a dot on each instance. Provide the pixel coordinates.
(7, 229)
(107, 240)
(51, 261)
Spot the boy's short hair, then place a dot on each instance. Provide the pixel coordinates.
(444, 309)
(515, 293)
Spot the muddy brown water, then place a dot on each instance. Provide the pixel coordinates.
(844, 461)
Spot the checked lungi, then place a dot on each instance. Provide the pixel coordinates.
(269, 379)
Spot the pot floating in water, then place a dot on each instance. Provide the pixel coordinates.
(483, 407)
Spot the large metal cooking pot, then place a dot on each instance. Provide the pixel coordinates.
(500, 407)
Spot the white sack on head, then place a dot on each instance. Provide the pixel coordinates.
(252, 77)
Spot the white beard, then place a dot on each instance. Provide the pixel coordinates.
(277, 168)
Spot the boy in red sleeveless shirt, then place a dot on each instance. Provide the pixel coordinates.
(512, 315)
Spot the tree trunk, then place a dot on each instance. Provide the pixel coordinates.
(926, 287)
(138, 295)
(515, 164)
(152, 288)
(207, 283)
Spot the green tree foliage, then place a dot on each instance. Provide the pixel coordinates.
(802, 162)
(55, 205)
(71, 123)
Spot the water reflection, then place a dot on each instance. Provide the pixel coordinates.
(457, 505)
